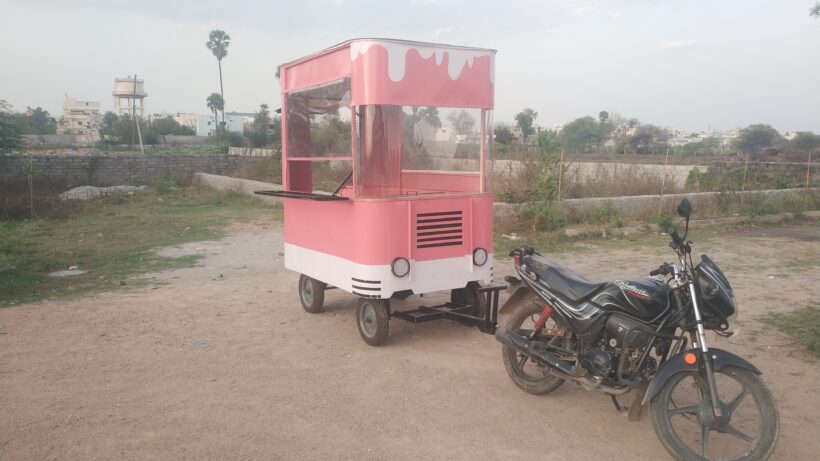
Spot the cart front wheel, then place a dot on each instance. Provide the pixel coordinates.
(372, 318)
(311, 293)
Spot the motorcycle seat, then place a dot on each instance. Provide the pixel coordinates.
(562, 279)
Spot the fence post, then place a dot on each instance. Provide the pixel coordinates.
(560, 178)
(808, 176)
(743, 181)
(663, 182)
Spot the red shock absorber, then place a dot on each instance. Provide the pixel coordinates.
(545, 315)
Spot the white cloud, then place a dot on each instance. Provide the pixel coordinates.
(617, 15)
(676, 44)
(443, 31)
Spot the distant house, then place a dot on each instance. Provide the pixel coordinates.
(206, 124)
(80, 119)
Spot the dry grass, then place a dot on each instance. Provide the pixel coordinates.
(113, 238)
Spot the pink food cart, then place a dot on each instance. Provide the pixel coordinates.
(405, 128)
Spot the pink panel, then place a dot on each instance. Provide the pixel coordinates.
(324, 68)
(439, 182)
(377, 231)
(424, 83)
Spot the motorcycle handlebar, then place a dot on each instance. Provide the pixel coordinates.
(676, 238)
(664, 269)
(523, 251)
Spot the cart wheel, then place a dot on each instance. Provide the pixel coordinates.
(311, 293)
(470, 295)
(372, 318)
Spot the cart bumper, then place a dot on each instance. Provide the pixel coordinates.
(378, 281)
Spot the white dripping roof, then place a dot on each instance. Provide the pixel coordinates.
(358, 45)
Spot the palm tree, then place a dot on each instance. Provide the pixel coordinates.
(218, 42)
(216, 103)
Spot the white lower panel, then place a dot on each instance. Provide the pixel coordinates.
(379, 281)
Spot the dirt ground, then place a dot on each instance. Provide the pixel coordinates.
(221, 362)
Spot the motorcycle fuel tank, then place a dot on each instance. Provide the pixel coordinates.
(644, 298)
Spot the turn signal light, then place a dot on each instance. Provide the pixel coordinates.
(690, 358)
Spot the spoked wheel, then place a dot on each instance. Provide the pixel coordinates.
(311, 293)
(530, 376)
(372, 318)
(686, 425)
(471, 296)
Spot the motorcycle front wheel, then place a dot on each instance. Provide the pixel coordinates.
(531, 377)
(687, 427)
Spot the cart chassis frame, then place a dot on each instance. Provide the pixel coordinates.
(459, 312)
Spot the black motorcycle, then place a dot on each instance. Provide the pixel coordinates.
(644, 335)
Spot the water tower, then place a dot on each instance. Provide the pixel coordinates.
(129, 93)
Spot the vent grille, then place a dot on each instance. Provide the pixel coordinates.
(439, 229)
(367, 288)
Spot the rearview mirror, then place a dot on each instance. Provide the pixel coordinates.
(685, 208)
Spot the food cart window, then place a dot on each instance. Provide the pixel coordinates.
(415, 150)
(319, 136)
(318, 121)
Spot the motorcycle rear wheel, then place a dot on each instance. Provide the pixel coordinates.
(530, 377)
(684, 423)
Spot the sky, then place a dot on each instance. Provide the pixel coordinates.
(689, 65)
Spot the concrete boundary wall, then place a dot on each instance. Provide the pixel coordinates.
(109, 170)
(250, 152)
(242, 186)
(635, 205)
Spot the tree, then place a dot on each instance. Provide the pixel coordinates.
(259, 136)
(218, 42)
(806, 140)
(524, 120)
(40, 121)
(108, 127)
(646, 139)
(430, 115)
(581, 135)
(603, 117)
(462, 121)
(548, 143)
(215, 103)
(503, 135)
(167, 125)
(815, 10)
(755, 138)
(10, 136)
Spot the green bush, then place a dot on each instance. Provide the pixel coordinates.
(162, 184)
(543, 216)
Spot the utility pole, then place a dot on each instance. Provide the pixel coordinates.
(134, 116)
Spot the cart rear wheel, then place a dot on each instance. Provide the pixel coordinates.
(311, 293)
(372, 318)
(470, 295)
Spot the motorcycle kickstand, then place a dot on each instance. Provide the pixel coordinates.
(618, 406)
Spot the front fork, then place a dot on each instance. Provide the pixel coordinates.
(707, 358)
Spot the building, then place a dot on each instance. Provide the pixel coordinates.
(81, 119)
(206, 124)
(729, 136)
(186, 119)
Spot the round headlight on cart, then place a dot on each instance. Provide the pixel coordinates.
(400, 267)
(479, 256)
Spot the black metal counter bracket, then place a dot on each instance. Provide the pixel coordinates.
(300, 195)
